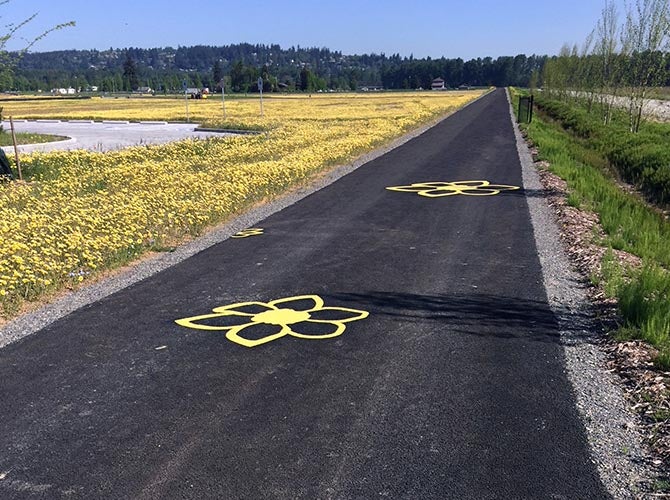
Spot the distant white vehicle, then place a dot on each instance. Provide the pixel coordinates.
(196, 93)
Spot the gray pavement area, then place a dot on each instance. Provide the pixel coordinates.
(106, 135)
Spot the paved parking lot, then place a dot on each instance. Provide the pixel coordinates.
(104, 136)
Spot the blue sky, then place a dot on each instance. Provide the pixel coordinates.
(463, 28)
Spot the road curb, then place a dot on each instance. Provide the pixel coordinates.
(229, 131)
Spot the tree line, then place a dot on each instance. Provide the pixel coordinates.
(240, 66)
(620, 62)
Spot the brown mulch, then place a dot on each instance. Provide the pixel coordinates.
(647, 388)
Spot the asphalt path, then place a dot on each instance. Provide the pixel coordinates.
(452, 386)
(104, 136)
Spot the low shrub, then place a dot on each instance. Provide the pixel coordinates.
(641, 159)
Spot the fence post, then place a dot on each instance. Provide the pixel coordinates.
(16, 149)
(525, 114)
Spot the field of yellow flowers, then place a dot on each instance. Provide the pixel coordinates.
(83, 212)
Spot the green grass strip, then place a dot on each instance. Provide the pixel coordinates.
(27, 138)
(630, 225)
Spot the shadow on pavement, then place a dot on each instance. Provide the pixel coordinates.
(479, 314)
(534, 193)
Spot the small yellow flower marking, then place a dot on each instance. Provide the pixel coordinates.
(440, 189)
(291, 316)
(252, 231)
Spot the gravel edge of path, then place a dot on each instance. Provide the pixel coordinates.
(610, 424)
(33, 321)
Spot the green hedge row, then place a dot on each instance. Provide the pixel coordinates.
(642, 159)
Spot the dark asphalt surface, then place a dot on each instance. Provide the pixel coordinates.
(452, 387)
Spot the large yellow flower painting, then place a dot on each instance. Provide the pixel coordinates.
(254, 323)
(440, 189)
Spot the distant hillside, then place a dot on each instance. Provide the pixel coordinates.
(166, 69)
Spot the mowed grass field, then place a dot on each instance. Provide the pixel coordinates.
(82, 212)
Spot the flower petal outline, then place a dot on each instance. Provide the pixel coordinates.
(480, 192)
(474, 184)
(407, 189)
(192, 322)
(245, 233)
(355, 312)
(231, 308)
(234, 335)
(318, 302)
(338, 331)
(489, 190)
(438, 193)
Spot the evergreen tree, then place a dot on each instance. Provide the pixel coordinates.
(304, 78)
(237, 78)
(130, 79)
(269, 82)
(217, 74)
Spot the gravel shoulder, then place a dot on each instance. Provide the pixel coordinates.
(612, 427)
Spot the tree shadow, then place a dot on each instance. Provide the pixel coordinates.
(534, 193)
(483, 315)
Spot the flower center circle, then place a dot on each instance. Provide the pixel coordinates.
(452, 188)
(281, 317)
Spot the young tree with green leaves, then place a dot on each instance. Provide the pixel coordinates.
(607, 77)
(645, 36)
(8, 60)
(587, 72)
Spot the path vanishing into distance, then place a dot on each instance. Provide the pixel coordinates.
(361, 343)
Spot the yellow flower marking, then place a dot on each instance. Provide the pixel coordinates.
(289, 315)
(245, 233)
(440, 189)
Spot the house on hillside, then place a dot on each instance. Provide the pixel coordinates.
(67, 91)
(438, 84)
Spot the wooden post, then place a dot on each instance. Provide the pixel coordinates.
(16, 149)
